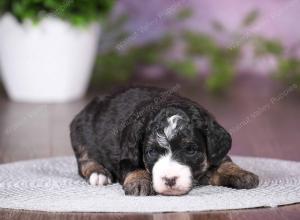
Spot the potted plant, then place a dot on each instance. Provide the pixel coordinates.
(48, 47)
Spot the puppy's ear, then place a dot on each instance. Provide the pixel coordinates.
(131, 139)
(218, 140)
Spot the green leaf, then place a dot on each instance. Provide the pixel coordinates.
(266, 46)
(185, 67)
(113, 66)
(184, 14)
(250, 18)
(200, 44)
(289, 70)
(288, 66)
(78, 12)
(221, 76)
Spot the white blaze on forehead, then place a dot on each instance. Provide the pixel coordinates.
(169, 131)
(162, 141)
(167, 167)
(172, 128)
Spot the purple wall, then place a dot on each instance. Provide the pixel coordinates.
(278, 19)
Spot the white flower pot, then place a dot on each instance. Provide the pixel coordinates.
(46, 62)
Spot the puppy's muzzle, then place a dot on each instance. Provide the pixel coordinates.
(170, 177)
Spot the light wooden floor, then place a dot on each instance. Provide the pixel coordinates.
(262, 115)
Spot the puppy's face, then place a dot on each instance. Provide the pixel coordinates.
(174, 152)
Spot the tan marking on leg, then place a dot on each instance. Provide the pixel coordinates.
(224, 170)
(138, 183)
(215, 180)
(90, 166)
(136, 175)
(87, 165)
(229, 168)
(230, 174)
(83, 157)
(80, 150)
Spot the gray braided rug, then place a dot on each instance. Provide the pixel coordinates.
(53, 185)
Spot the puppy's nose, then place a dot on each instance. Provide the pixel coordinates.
(170, 181)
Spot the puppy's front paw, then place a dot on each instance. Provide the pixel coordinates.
(138, 183)
(98, 179)
(243, 180)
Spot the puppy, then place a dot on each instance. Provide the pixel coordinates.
(153, 141)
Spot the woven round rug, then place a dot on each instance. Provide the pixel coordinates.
(53, 185)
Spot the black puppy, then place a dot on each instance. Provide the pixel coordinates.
(153, 141)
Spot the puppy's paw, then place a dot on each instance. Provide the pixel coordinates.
(243, 180)
(138, 183)
(98, 179)
(141, 187)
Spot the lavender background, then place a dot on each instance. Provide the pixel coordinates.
(278, 19)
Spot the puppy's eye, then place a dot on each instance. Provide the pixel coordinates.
(152, 153)
(190, 150)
